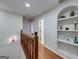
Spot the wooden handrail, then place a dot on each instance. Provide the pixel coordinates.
(29, 45)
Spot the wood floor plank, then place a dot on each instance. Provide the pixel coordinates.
(44, 53)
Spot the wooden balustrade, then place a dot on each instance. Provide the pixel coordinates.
(35, 50)
(30, 45)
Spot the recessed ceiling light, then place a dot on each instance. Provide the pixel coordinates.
(27, 5)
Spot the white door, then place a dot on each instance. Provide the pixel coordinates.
(41, 31)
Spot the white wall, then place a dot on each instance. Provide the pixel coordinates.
(10, 25)
(26, 26)
(50, 18)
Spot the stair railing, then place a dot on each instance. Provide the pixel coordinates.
(29, 45)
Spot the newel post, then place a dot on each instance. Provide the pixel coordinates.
(36, 44)
(21, 37)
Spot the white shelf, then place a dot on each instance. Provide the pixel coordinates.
(72, 17)
(67, 30)
(70, 43)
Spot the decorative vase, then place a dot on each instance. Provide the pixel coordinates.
(72, 13)
(76, 40)
(75, 25)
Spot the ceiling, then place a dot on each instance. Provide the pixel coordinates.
(18, 6)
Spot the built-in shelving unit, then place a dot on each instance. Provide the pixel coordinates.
(60, 31)
(67, 31)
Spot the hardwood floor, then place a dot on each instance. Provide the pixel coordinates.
(44, 53)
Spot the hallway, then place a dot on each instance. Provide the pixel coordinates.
(54, 21)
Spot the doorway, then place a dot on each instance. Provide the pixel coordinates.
(41, 31)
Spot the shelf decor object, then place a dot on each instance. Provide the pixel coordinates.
(68, 39)
(66, 28)
(60, 27)
(75, 25)
(76, 40)
(72, 13)
(62, 17)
